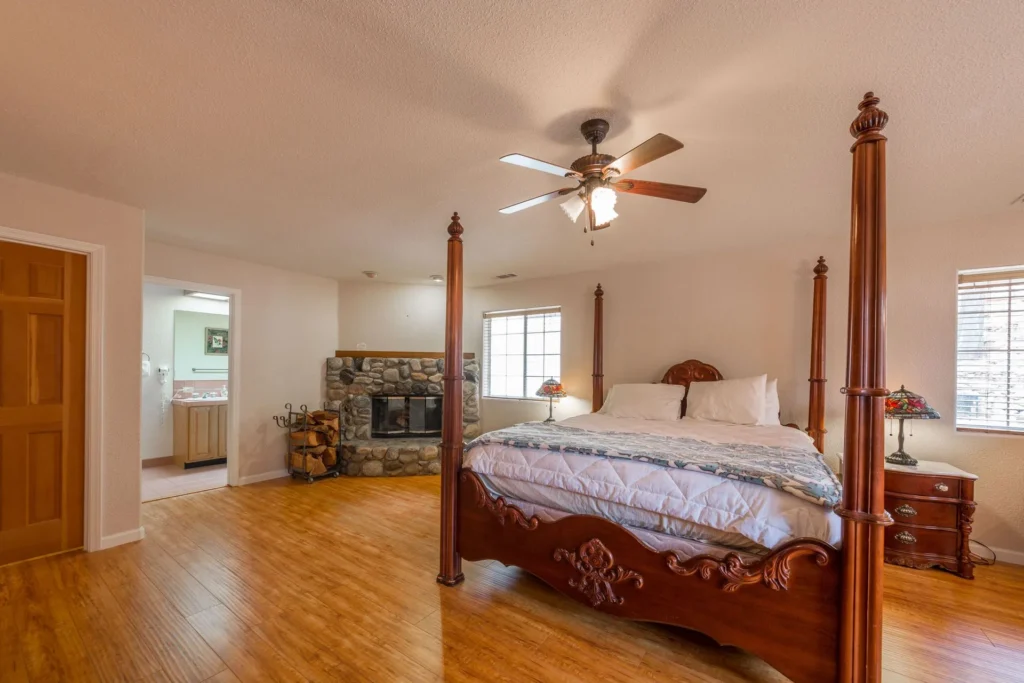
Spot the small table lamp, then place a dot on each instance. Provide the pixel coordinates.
(906, 405)
(552, 389)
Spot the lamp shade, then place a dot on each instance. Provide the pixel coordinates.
(909, 406)
(551, 388)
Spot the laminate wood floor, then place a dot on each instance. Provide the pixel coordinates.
(335, 582)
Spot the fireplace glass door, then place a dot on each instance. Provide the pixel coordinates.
(398, 416)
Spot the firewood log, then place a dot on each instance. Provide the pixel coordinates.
(315, 465)
(308, 463)
(306, 437)
(330, 457)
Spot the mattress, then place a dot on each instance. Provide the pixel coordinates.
(675, 502)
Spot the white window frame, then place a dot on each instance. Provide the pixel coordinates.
(980, 347)
(486, 388)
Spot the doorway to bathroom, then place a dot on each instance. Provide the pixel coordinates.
(186, 420)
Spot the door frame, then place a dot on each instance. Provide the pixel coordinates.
(234, 362)
(95, 278)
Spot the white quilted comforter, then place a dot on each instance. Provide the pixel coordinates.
(672, 501)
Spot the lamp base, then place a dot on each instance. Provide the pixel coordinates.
(550, 419)
(900, 458)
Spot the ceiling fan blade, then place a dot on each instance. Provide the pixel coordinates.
(680, 193)
(539, 200)
(644, 153)
(538, 165)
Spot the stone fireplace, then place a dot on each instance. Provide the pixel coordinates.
(391, 409)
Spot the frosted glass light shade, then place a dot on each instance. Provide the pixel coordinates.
(603, 201)
(573, 207)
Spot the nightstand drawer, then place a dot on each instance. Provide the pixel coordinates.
(921, 541)
(922, 485)
(922, 513)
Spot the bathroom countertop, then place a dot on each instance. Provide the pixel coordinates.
(191, 402)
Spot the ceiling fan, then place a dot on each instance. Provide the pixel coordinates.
(599, 177)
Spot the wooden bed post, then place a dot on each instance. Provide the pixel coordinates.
(816, 410)
(598, 399)
(863, 505)
(451, 425)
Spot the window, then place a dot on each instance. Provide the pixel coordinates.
(521, 350)
(990, 351)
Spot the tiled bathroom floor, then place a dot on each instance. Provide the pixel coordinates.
(168, 481)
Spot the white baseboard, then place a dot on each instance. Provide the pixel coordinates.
(122, 538)
(266, 476)
(1008, 556)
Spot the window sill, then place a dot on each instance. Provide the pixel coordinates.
(994, 432)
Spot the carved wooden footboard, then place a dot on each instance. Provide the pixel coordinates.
(783, 608)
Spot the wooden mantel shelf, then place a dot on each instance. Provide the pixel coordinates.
(396, 354)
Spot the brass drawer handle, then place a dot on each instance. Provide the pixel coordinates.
(941, 488)
(905, 537)
(905, 511)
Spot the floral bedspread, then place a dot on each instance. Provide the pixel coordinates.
(796, 471)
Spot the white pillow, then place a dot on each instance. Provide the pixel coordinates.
(739, 401)
(645, 401)
(771, 404)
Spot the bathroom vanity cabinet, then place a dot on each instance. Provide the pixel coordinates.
(200, 431)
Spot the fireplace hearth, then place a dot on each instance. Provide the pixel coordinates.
(405, 416)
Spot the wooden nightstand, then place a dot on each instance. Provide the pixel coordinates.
(933, 506)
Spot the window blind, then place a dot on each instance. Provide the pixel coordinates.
(522, 348)
(990, 351)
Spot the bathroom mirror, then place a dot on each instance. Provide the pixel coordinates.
(201, 344)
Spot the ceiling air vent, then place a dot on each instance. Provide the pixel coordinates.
(506, 276)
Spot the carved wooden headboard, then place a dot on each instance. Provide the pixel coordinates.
(690, 371)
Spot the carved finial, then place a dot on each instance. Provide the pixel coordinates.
(821, 268)
(455, 227)
(871, 120)
(598, 291)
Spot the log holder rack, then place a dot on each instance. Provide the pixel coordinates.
(296, 421)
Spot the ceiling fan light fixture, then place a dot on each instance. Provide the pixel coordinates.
(573, 207)
(602, 200)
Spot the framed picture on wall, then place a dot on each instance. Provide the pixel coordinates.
(216, 341)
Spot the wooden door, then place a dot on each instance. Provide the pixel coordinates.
(42, 401)
(202, 432)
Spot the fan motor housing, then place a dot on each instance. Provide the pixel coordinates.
(591, 164)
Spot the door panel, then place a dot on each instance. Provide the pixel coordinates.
(45, 355)
(200, 429)
(42, 401)
(45, 476)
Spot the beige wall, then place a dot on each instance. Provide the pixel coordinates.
(390, 317)
(38, 208)
(396, 317)
(289, 326)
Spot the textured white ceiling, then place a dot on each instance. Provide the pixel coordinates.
(338, 136)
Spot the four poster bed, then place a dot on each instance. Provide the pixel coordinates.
(803, 591)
